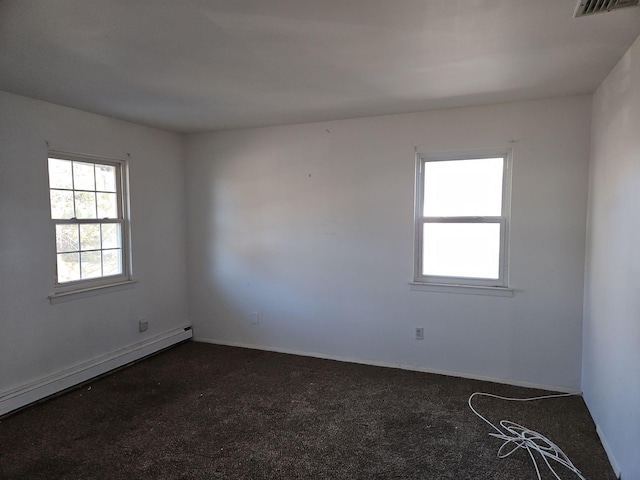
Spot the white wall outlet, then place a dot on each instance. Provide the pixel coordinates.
(143, 325)
(419, 333)
(255, 318)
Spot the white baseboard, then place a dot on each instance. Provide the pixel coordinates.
(376, 363)
(44, 387)
(609, 452)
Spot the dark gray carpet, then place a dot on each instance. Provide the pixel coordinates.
(210, 412)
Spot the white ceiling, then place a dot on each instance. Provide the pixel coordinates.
(197, 65)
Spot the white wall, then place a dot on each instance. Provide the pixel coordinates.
(37, 339)
(312, 225)
(611, 351)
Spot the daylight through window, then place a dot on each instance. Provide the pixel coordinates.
(87, 212)
(461, 219)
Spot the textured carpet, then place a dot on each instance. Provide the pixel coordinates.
(211, 412)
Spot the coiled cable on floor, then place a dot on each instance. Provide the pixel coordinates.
(516, 436)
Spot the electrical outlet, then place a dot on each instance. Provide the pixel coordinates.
(255, 318)
(419, 334)
(143, 325)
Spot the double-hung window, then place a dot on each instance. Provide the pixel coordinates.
(461, 218)
(88, 213)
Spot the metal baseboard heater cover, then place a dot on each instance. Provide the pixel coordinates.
(589, 7)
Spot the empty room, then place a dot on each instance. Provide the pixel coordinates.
(333, 239)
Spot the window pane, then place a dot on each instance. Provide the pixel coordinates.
(67, 238)
(61, 204)
(105, 178)
(60, 174)
(91, 264)
(86, 190)
(68, 267)
(112, 262)
(85, 204)
(90, 236)
(83, 176)
(110, 235)
(463, 188)
(461, 250)
(107, 205)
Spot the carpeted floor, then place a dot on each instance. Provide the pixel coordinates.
(202, 411)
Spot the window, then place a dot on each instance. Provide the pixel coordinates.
(461, 218)
(88, 213)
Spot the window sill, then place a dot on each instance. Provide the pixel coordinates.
(461, 289)
(90, 291)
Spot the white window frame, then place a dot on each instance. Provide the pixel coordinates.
(122, 179)
(503, 220)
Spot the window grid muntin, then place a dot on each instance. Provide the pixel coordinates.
(96, 191)
(101, 248)
(119, 185)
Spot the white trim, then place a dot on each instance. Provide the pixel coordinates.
(425, 152)
(461, 289)
(90, 291)
(401, 366)
(124, 220)
(609, 452)
(24, 395)
(504, 219)
(78, 156)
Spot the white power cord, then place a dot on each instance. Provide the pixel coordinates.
(516, 436)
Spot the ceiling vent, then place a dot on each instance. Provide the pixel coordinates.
(589, 7)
